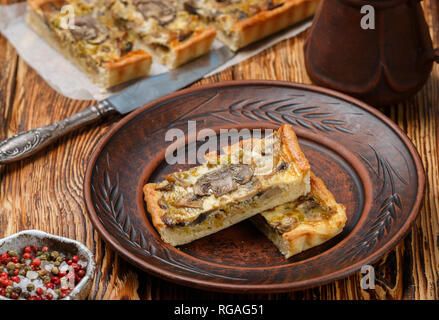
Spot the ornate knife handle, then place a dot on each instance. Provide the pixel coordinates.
(27, 143)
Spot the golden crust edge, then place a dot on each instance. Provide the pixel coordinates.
(151, 197)
(196, 46)
(292, 148)
(36, 4)
(308, 236)
(268, 22)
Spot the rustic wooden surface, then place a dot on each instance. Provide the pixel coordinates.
(45, 192)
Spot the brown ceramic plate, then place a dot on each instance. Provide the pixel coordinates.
(362, 156)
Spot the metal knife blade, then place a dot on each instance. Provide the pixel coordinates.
(27, 143)
(155, 87)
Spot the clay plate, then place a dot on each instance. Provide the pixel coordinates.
(362, 156)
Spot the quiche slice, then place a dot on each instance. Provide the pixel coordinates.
(241, 22)
(249, 177)
(305, 223)
(171, 36)
(89, 39)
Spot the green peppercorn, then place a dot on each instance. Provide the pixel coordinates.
(54, 254)
(11, 273)
(2, 268)
(58, 292)
(7, 295)
(43, 256)
(22, 272)
(27, 268)
(59, 259)
(9, 289)
(10, 266)
(17, 265)
(46, 279)
(30, 287)
(55, 270)
(57, 263)
(12, 253)
(42, 273)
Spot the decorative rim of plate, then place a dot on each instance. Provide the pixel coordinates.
(255, 288)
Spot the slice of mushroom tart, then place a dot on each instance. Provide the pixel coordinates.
(241, 22)
(172, 36)
(247, 178)
(85, 33)
(305, 223)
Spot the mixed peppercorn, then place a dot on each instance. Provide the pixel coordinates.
(39, 274)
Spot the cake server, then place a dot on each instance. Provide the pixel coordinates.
(27, 143)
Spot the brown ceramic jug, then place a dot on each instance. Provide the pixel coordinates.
(381, 66)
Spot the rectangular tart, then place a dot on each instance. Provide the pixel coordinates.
(249, 177)
(241, 22)
(89, 39)
(172, 36)
(305, 223)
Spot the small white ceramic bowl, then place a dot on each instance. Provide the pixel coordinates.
(19, 241)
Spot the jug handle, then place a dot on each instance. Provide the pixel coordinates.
(436, 55)
(429, 56)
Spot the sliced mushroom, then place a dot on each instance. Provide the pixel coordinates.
(188, 201)
(170, 222)
(270, 5)
(85, 28)
(242, 173)
(287, 224)
(125, 47)
(167, 187)
(162, 11)
(241, 15)
(184, 35)
(308, 205)
(100, 38)
(190, 7)
(174, 177)
(224, 180)
(162, 203)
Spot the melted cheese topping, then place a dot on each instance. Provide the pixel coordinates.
(265, 153)
(286, 217)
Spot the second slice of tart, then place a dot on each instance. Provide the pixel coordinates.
(305, 223)
(241, 22)
(171, 35)
(205, 199)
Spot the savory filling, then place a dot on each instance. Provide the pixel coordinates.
(226, 182)
(160, 24)
(288, 216)
(226, 13)
(89, 34)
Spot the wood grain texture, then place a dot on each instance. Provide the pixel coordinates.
(45, 192)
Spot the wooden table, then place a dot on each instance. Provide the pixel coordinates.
(45, 192)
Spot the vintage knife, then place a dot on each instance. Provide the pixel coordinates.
(27, 143)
